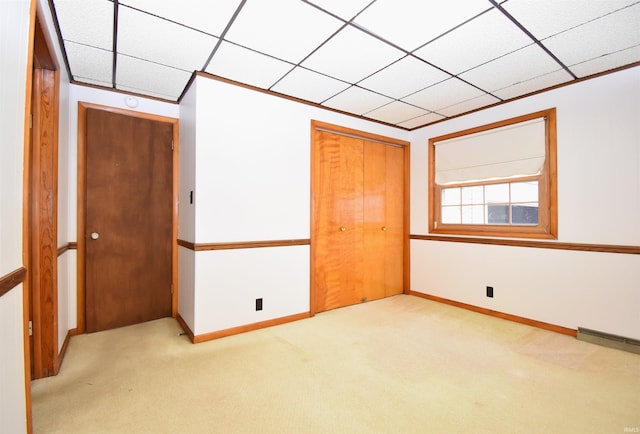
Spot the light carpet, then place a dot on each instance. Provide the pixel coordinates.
(398, 365)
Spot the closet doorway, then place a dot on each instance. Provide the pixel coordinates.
(359, 217)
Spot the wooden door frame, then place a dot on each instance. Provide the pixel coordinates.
(41, 214)
(81, 197)
(344, 131)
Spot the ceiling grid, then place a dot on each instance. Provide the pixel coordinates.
(407, 63)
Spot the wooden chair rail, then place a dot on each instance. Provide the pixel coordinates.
(69, 246)
(11, 280)
(243, 244)
(603, 248)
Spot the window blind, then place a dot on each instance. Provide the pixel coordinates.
(509, 151)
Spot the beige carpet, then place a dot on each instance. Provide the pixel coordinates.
(399, 365)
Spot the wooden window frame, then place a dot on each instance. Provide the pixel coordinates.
(547, 227)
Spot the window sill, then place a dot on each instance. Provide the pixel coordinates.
(536, 232)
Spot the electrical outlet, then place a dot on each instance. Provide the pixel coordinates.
(490, 291)
(258, 304)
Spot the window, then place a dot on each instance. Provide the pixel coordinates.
(496, 180)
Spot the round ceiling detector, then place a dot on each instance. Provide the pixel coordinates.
(131, 101)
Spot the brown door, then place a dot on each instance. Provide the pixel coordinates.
(384, 220)
(128, 219)
(339, 211)
(358, 220)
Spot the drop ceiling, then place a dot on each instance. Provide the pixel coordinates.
(403, 62)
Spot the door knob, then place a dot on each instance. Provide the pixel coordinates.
(342, 229)
(95, 235)
(384, 228)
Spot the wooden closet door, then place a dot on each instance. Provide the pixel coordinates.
(358, 228)
(338, 209)
(383, 220)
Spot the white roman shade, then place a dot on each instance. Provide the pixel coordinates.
(504, 152)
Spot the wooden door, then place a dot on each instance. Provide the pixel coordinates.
(384, 220)
(358, 220)
(339, 221)
(128, 226)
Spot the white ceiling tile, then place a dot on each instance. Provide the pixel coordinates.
(411, 23)
(404, 77)
(516, 67)
(541, 82)
(484, 38)
(86, 22)
(352, 55)
(614, 32)
(205, 15)
(544, 18)
(468, 105)
(357, 100)
(421, 121)
(396, 112)
(443, 94)
(246, 66)
(147, 37)
(309, 85)
(90, 63)
(344, 9)
(286, 29)
(606, 62)
(149, 78)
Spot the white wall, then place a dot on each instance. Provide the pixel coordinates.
(252, 183)
(186, 210)
(14, 48)
(12, 376)
(186, 286)
(229, 281)
(187, 165)
(14, 28)
(67, 295)
(67, 320)
(598, 128)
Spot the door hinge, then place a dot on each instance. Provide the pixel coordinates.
(30, 328)
(172, 145)
(30, 121)
(172, 288)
